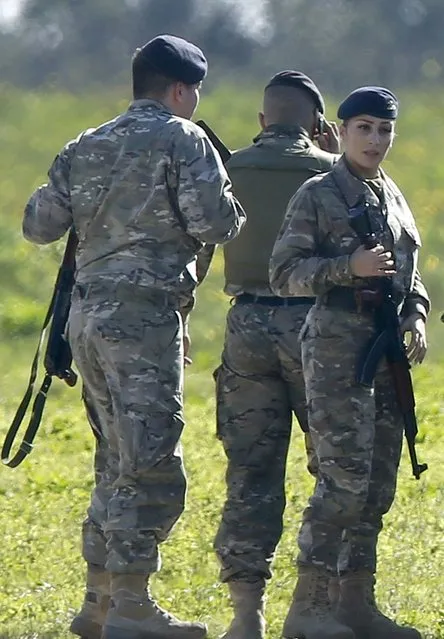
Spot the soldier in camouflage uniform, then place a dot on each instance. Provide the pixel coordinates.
(260, 382)
(145, 192)
(356, 430)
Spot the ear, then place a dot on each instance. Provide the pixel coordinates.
(178, 91)
(342, 130)
(261, 119)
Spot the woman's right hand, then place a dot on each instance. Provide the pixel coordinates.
(375, 262)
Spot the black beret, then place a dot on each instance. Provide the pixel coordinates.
(175, 58)
(375, 101)
(298, 80)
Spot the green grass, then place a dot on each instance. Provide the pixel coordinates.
(42, 503)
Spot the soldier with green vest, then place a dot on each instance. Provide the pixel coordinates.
(259, 382)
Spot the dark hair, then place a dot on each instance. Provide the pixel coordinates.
(288, 105)
(146, 80)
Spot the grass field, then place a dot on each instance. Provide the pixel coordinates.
(42, 503)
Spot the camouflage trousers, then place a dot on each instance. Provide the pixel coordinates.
(130, 356)
(258, 387)
(357, 435)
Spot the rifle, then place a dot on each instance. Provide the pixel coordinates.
(220, 147)
(57, 359)
(388, 340)
(207, 252)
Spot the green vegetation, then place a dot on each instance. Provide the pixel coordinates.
(43, 502)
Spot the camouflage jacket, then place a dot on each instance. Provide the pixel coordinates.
(312, 252)
(145, 192)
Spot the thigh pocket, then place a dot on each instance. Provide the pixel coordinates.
(226, 383)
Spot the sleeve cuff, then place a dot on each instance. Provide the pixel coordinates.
(343, 274)
(415, 306)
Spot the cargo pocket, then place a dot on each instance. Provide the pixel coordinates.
(226, 383)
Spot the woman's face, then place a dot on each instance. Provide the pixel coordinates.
(366, 141)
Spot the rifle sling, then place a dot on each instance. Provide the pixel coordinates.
(38, 405)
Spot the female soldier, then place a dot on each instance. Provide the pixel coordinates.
(357, 430)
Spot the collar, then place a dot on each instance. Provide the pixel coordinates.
(281, 131)
(352, 188)
(146, 103)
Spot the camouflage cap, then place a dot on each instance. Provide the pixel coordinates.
(376, 101)
(298, 80)
(175, 58)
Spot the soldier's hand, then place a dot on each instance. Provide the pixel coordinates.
(330, 139)
(186, 349)
(375, 262)
(417, 346)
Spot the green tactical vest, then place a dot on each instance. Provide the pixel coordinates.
(265, 176)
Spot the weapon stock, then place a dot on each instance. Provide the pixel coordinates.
(406, 400)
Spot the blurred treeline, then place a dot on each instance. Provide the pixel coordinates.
(342, 43)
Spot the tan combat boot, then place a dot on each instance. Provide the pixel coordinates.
(358, 609)
(248, 603)
(88, 623)
(133, 614)
(311, 615)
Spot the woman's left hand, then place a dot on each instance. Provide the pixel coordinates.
(417, 346)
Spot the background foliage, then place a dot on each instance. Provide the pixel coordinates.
(78, 43)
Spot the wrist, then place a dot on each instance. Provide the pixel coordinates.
(345, 274)
(415, 317)
(414, 308)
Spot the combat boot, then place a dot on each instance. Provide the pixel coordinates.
(311, 615)
(358, 609)
(133, 614)
(88, 623)
(248, 604)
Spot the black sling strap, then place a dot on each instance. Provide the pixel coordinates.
(39, 402)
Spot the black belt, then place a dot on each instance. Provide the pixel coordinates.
(269, 300)
(352, 299)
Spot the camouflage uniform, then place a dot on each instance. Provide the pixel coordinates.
(357, 431)
(260, 383)
(145, 193)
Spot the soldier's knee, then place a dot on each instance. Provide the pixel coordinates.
(340, 510)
